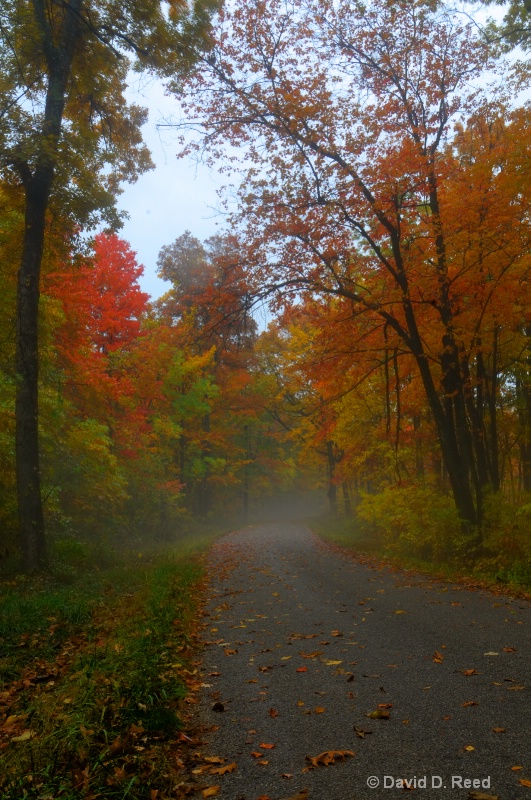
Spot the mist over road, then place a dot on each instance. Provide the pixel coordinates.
(303, 642)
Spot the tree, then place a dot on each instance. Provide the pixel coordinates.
(68, 135)
(378, 171)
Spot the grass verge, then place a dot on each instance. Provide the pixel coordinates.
(95, 677)
(361, 538)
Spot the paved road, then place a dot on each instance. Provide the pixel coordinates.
(303, 642)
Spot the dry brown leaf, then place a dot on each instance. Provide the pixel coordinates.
(311, 655)
(301, 669)
(267, 746)
(524, 782)
(222, 770)
(302, 795)
(328, 757)
(211, 791)
(498, 730)
(469, 748)
(256, 754)
(516, 768)
(482, 796)
(273, 712)
(213, 759)
(468, 672)
(319, 709)
(468, 703)
(230, 651)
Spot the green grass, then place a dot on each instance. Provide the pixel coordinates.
(93, 674)
(362, 538)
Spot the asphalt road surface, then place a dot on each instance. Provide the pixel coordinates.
(303, 642)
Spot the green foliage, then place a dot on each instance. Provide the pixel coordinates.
(507, 541)
(416, 520)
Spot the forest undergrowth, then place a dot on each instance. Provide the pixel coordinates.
(423, 536)
(97, 672)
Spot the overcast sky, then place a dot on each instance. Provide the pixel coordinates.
(177, 195)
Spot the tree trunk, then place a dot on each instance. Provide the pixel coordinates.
(58, 46)
(31, 520)
(332, 488)
(525, 414)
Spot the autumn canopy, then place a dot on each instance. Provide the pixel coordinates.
(380, 154)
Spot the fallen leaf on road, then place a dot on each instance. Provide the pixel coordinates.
(525, 783)
(267, 746)
(301, 669)
(438, 657)
(329, 757)
(273, 713)
(332, 663)
(311, 655)
(230, 652)
(257, 755)
(482, 796)
(469, 748)
(302, 795)
(380, 713)
(498, 730)
(516, 768)
(319, 709)
(385, 705)
(336, 633)
(468, 672)
(211, 791)
(468, 703)
(361, 733)
(400, 611)
(213, 759)
(224, 769)
(509, 649)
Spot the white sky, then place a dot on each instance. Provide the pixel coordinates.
(177, 195)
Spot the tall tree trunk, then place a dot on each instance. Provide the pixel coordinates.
(31, 520)
(332, 488)
(58, 45)
(525, 414)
